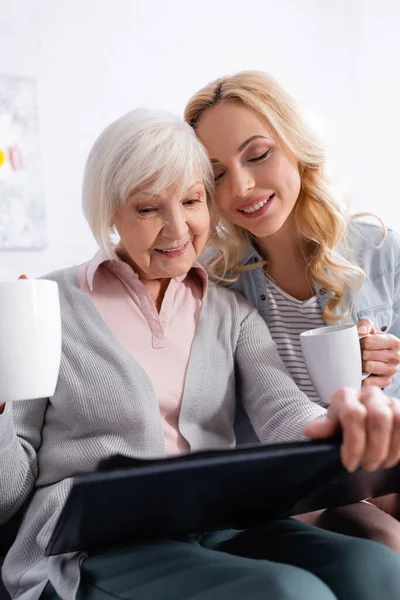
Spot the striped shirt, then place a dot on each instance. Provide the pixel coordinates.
(288, 318)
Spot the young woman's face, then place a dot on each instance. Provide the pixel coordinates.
(257, 184)
(162, 236)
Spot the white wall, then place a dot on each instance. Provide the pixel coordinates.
(95, 60)
(379, 110)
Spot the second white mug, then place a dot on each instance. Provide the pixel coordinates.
(333, 358)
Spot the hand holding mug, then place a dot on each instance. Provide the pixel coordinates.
(2, 406)
(380, 354)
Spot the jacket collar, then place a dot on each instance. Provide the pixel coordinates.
(250, 256)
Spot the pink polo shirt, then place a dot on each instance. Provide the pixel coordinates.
(159, 342)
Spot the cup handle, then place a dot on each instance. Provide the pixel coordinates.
(364, 374)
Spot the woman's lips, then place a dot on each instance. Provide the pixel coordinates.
(173, 252)
(256, 208)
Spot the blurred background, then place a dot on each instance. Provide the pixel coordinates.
(75, 65)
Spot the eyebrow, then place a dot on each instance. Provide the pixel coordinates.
(146, 192)
(244, 144)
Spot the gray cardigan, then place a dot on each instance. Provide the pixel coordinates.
(105, 404)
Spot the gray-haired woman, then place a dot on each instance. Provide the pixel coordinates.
(151, 351)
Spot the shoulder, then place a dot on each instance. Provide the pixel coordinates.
(370, 236)
(227, 300)
(68, 287)
(222, 295)
(249, 284)
(64, 277)
(367, 245)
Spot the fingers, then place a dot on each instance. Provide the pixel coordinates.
(380, 368)
(375, 381)
(384, 356)
(379, 425)
(381, 357)
(351, 414)
(365, 327)
(394, 450)
(370, 423)
(320, 428)
(381, 341)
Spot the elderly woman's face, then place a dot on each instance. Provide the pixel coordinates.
(162, 236)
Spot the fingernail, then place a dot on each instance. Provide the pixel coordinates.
(23, 277)
(362, 329)
(352, 465)
(371, 467)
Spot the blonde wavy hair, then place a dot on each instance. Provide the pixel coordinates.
(321, 221)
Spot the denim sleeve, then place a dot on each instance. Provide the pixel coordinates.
(394, 388)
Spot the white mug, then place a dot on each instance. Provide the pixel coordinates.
(333, 358)
(30, 339)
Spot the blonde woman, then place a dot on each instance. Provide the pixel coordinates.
(285, 243)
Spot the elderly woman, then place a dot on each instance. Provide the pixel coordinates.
(143, 333)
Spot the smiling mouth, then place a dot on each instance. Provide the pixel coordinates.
(176, 249)
(256, 207)
(175, 252)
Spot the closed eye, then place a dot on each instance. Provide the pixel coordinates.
(146, 211)
(192, 201)
(219, 176)
(261, 157)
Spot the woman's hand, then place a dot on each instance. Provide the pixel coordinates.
(2, 406)
(380, 354)
(370, 422)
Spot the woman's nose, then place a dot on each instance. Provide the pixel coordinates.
(242, 183)
(176, 227)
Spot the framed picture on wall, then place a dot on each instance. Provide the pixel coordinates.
(22, 203)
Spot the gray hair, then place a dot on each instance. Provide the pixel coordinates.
(143, 148)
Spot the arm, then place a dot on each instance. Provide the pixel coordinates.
(381, 352)
(20, 437)
(369, 420)
(394, 388)
(276, 407)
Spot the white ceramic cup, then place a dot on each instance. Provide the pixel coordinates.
(333, 358)
(30, 339)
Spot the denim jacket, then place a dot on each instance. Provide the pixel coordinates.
(379, 296)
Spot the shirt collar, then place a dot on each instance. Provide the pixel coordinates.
(249, 254)
(101, 257)
(98, 259)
